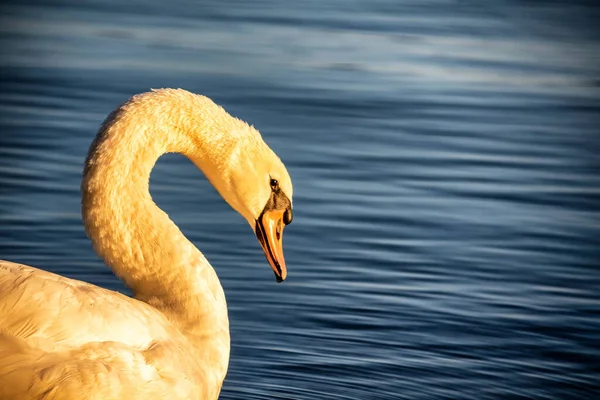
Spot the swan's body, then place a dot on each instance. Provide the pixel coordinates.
(65, 339)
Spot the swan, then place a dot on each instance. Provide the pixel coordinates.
(66, 339)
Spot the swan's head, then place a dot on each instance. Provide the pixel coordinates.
(254, 181)
(262, 191)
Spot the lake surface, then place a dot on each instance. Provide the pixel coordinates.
(445, 160)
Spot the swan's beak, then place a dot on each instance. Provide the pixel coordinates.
(269, 231)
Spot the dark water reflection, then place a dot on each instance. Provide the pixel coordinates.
(445, 162)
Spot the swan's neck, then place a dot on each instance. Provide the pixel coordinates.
(137, 239)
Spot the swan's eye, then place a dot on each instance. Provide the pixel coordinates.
(274, 184)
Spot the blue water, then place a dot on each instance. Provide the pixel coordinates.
(445, 159)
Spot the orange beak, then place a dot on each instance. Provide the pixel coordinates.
(269, 231)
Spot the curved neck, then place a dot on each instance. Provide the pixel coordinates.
(137, 239)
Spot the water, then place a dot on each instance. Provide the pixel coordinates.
(444, 154)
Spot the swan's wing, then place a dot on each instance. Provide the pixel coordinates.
(96, 371)
(54, 313)
(63, 339)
